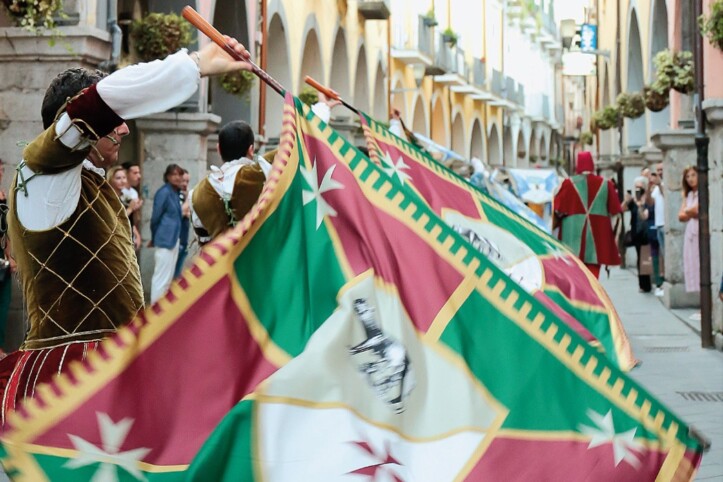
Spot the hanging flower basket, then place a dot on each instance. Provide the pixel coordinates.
(157, 35)
(586, 138)
(238, 83)
(34, 14)
(675, 70)
(712, 25)
(631, 106)
(450, 37)
(655, 100)
(606, 118)
(309, 95)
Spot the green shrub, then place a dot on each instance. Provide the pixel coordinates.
(159, 34)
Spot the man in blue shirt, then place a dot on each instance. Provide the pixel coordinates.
(166, 230)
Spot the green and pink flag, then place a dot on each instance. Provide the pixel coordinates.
(535, 259)
(343, 331)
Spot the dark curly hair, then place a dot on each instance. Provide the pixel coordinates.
(63, 87)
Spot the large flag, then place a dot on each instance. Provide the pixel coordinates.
(532, 257)
(364, 337)
(435, 365)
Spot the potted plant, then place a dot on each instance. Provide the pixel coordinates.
(631, 106)
(606, 118)
(674, 70)
(238, 83)
(712, 25)
(655, 99)
(586, 138)
(34, 14)
(450, 37)
(308, 95)
(429, 18)
(159, 34)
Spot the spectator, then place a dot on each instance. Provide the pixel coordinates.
(582, 209)
(7, 265)
(639, 230)
(689, 214)
(185, 224)
(166, 230)
(657, 200)
(132, 191)
(117, 179)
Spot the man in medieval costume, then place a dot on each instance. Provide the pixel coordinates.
(227, 193)
(583, 208)
(70, 232)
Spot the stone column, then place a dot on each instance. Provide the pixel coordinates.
(714, 113)
(678, 147)
(29, 62)
(169, 138)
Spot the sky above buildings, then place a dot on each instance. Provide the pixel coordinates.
(569, 9)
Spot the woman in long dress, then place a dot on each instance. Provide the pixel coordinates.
(689, 214)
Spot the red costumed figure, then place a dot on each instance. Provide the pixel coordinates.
(583, 206)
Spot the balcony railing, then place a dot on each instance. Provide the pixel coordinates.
(412, 44)
(520, 94)
(496, 83)
(478, 72)
(510, 89)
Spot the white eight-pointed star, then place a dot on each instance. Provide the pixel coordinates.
(327, 184)
(624, 443)
(109, 457)
(392, 168)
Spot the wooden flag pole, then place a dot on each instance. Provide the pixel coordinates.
(210, 31)
(330, 93)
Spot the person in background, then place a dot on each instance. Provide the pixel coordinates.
(118, 180)
(132, 192)
(582, 209)
(185, 224)
(7, 265)
(227, 193)
(688, 214)
(639, 227)
(166, 230)
(657, 201)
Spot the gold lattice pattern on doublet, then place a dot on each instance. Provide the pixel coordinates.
(95, 285)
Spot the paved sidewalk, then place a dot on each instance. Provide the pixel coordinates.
(685, 377)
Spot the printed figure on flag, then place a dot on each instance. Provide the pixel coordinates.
(388, 371)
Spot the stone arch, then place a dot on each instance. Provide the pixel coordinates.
(658, 41)
(228, 106)
(311, 59)
(494, 147)
(399, 100)
(361, 82)
(477, 141)
(522, 151)
(419, 117)
(339, 76)
(280, 69)
(380, 110)
(459, 144)
(635, 128)
(534, 146)
(509, 156)
(439, 133)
